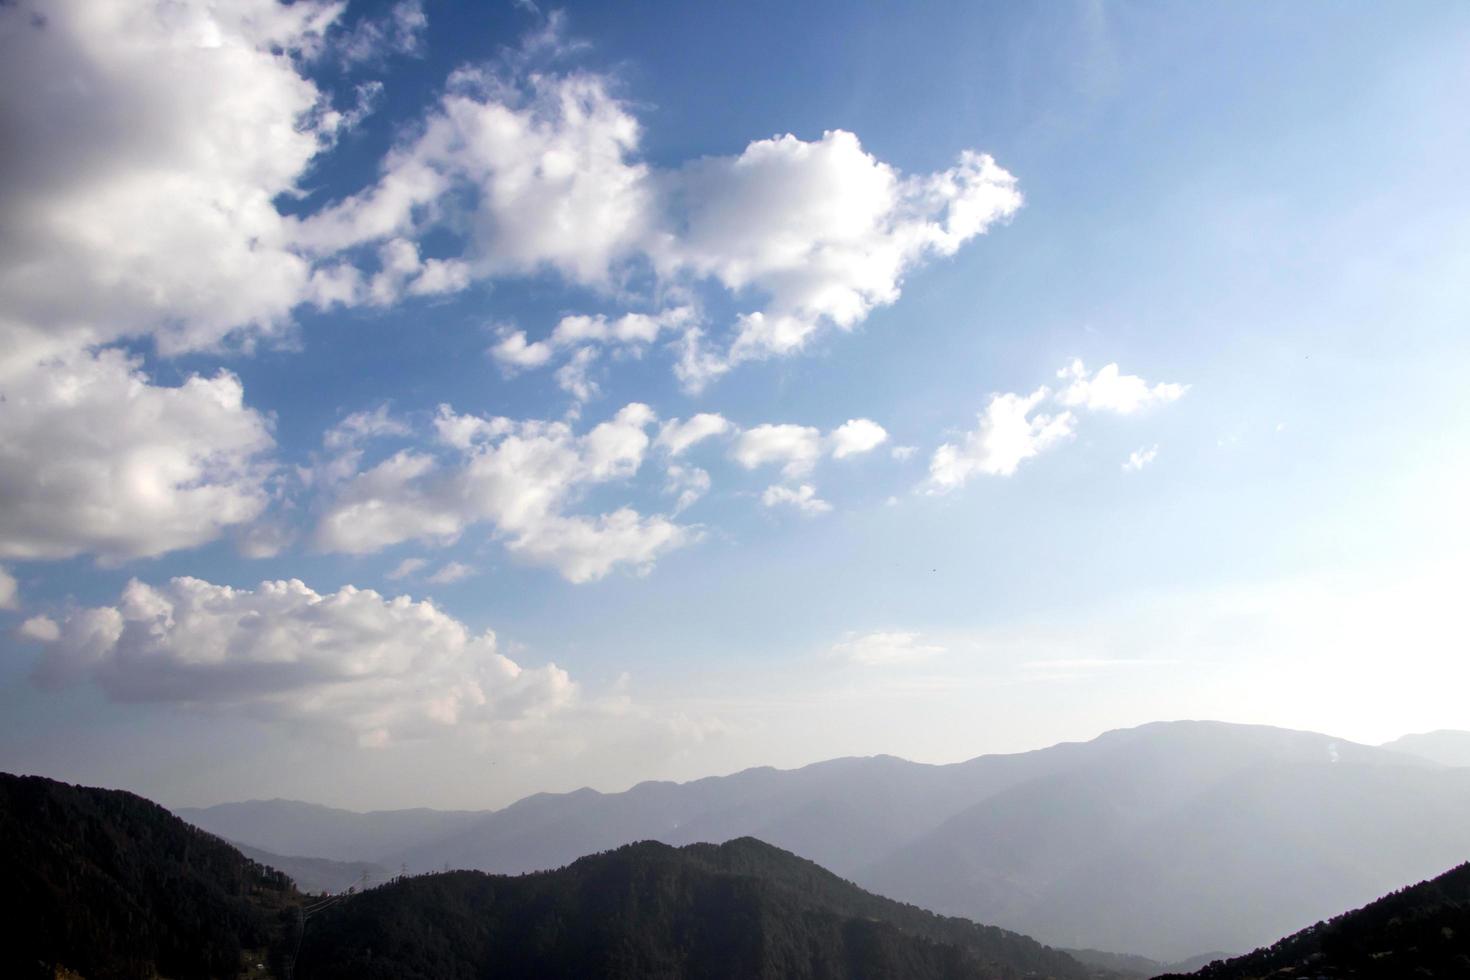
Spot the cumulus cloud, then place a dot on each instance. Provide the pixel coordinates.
(517, 477)
(540, 172)
(351, 662)
(797, 448)
(543, 161)
(136, 199)
(802, 498)
(94, 458)
(822, 230)
(1107, 390)
(1013, 428)
(584, 337)
(883, 649)
(1010, 431)
(9, 590)
(856, 436)
(1140, 458)
(676, 437)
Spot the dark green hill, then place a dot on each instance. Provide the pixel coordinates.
(109, 885)
(1422, 931)
(742, 909)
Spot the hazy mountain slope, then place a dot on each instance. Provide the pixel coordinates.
(1180, 838)
(1447, 747)
(742, 909)
(843, 814)
(107, 884)
(292, 827)
(1420, 931)
(316, 875)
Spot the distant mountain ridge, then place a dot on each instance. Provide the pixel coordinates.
(1149, 840)
(1446, 746)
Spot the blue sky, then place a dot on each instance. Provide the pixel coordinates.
(1059, 369)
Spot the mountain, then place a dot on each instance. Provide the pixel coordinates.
(1179, 838)
(292, 827)
(105, 884)
(742, 909)
(1447, 747)
(1421, 931)
(316, 875)
(1148, 840)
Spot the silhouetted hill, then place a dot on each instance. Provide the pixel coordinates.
(1422, 931)
(109, 885)
(742, 909)
(1447, 747)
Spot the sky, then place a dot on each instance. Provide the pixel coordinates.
(428, 404)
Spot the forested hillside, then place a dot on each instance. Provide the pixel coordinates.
(106, 884)
(743, 909)
(1422, 931)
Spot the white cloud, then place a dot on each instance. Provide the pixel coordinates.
(583, 336)
(361, 426)
(42, 628)
(517, 477)
(407, 567)
(137, 199)
(803, 498)
(796, 447)
(539, 171)
(1140, 458)
(856, 436)
(1107, 390)
(572, 378)
(96, 459)
(451, 572)
(545, 162)
(372, 39)
(1010, 431)
(902, 453)
(514, 352)
(351, 662)
(677, 437)
(688, 483)
(884, 649)
(822, 230)
(9, 590)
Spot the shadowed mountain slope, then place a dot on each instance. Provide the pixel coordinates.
(1420, 931)
(109, 885)
(739, 910)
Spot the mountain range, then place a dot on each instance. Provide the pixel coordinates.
(1165, 840)
(105, 885)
